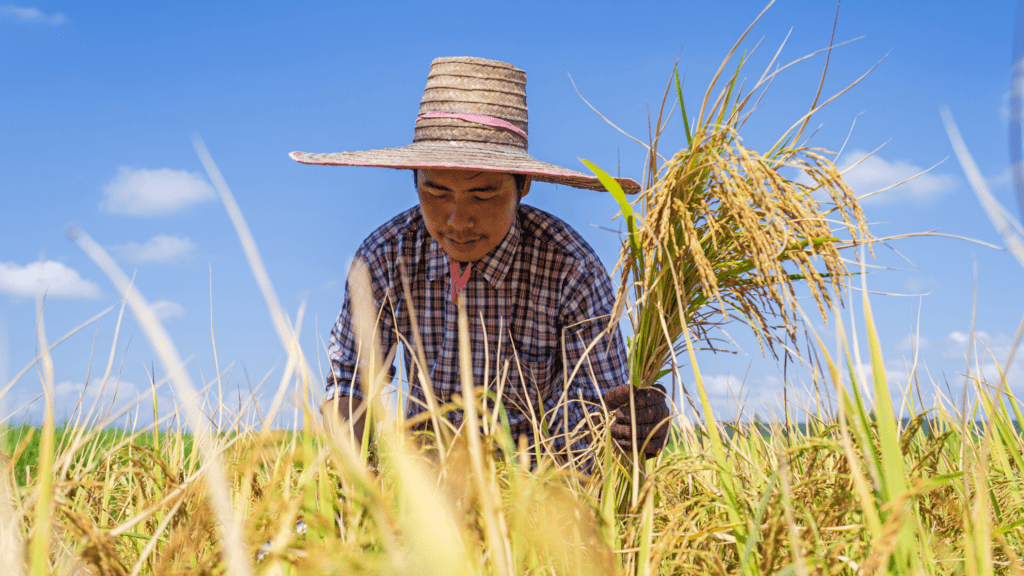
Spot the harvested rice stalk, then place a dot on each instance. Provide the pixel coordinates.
(722, 231)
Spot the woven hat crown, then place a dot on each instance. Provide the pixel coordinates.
(465, 85)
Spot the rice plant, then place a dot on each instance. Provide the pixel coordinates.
(720, 222)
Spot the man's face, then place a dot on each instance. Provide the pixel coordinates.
(467, 212)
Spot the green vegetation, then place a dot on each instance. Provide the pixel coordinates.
(22, 444)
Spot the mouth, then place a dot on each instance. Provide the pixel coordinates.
(464, 244)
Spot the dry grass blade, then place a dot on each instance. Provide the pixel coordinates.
(996, 213)
(238, 562)
(39, 544)
(288, 337)
(10, 384)
(484, 489)
(12, 545)
(371, 360)
(151, 545)
(436, 541)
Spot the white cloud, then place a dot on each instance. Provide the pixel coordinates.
(5, 353)
(53, 278)
(722, 385)
(910, 342)
(1002, 179)
(958, 337)
(156, 249)
(167, 310)
(30, 15)
(958, 344)
(141, 192)
(119, 388)
(875, 173)
(963, 338)
(920, 285)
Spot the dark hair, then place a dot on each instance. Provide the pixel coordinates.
(519, 178)
(520, 183)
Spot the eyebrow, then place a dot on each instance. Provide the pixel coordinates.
(487, 188)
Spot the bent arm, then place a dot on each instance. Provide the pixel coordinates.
(595, 354)
(345, 393)
(343, 347)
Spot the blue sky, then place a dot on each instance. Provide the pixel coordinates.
(99, 102)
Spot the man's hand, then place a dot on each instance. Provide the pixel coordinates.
(338, 411)
(651, 417)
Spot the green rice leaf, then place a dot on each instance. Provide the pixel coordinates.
(615, 189)
(682, 107)
(1008, 527)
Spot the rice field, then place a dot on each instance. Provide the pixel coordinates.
(849, 493)
(841, 486)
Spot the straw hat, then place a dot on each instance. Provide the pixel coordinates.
(472, 116)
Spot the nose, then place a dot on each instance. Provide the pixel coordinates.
(460, 216)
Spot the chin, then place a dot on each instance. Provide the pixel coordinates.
(464, 256)
(468, 254)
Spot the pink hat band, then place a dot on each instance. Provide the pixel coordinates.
(476, 119)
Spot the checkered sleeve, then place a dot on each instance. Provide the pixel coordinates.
(590, 300)
(343, 348)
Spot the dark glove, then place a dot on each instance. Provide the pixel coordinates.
(651, 417)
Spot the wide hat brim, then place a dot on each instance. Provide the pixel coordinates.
(462, 156)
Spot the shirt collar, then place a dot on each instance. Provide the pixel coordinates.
(494, 265)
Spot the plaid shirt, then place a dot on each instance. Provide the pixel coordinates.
(541, 284)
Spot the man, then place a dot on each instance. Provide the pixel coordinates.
(537, 297)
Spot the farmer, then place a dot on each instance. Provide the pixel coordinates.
(535, 293)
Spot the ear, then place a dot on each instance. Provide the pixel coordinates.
(526, 187)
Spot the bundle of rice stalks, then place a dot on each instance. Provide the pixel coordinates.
(723, 231)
